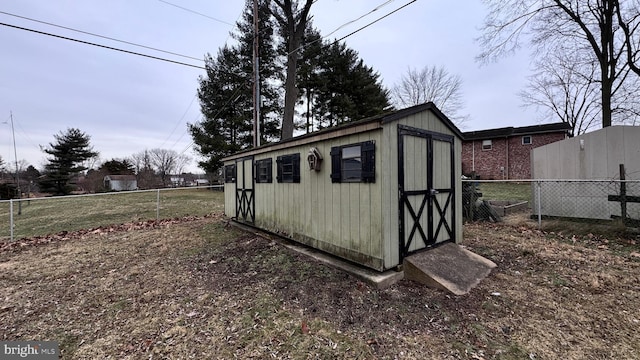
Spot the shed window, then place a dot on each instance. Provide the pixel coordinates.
(353, 163)
(288, 168)
(486, 144)
(526, 140)
(230, 173)
(264, 172)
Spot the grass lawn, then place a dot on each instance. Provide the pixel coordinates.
(53, 215)
(505, 191)
(204, 289)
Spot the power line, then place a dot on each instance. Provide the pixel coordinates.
(358, 30)
(197, 13)
(102, 46)
(101, 36)
(180, 121)
(231, 99)
(362, 16)
(375, 21)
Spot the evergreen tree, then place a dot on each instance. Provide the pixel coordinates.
(269, 67)
(309, 81)
(70, 150)
(226, 93)
(31, 173)
(348, 89)
(117, 167)
(226, 127)
(335, 85)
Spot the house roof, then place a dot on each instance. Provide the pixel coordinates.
(516, 131)
(364, 124)
(121, 177)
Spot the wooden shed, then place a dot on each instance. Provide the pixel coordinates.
(372, 191)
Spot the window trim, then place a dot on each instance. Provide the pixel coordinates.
(367, 161)
(292, 160)
(263, 164)
(487, 145)
(530, 140)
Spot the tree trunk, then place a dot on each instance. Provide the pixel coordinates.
(290, 89)
(295, 26)
(606, 99)
(608, 60)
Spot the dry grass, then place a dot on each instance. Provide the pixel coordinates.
(199, 289)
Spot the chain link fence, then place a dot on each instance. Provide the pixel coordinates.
(20, 218)
(597, 201)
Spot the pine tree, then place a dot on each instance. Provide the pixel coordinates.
(348, 89)
(70, 150)
(226, 94)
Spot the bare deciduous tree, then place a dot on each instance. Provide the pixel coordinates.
(591, 28)
(566, 89)
(434, 84)
(629, 21)
(166, 161)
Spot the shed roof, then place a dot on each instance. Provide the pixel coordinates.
(516, 131)
(367, 124)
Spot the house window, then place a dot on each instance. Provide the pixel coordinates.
(264, 171)
(230, 173)
(486, 144)
(353, 163)
(526, 140)
(288, 168)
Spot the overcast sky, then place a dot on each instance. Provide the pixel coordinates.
(127, 103)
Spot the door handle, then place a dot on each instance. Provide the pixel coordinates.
(434, 192)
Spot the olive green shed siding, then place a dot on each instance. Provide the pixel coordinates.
(354, 220)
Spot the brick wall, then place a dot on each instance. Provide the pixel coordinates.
(495, 164)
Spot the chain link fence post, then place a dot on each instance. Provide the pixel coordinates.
(538, 204)
(158, 205)
(11, 218)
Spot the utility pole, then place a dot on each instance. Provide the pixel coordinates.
(15, 154)
(256, 79)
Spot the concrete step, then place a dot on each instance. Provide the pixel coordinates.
(448, 267)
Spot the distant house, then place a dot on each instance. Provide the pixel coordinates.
(505, 153)
(177, 181)
(120, 182)
(200, 182)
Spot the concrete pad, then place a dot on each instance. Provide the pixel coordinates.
(380, 280)
(448, 267)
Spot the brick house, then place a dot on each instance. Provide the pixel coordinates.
(505, 153)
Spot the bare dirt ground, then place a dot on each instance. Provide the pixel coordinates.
(195, 288)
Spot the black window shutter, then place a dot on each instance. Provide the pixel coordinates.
(269, 170)
(256, 171)
(336, 162)
(296, 167)
(369, 162)
(279, 170)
